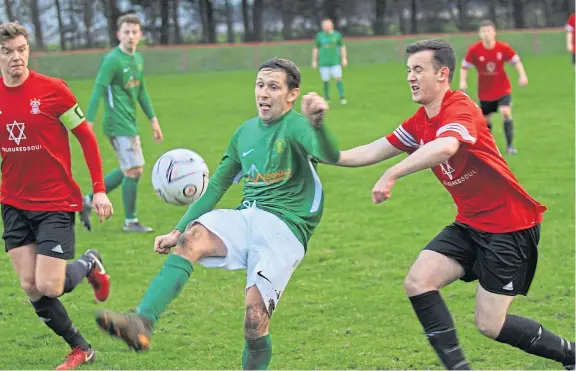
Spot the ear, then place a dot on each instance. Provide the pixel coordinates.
(444, 74)
(293, 95)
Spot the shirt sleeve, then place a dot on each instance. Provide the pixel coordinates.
(510, 55)
(317, 43)
(103, 80)
(403, 137)
(459, 122)
(570, 24)
(228, 169)
(145, 102)
(318, 142)
(67, 109)
(340, 39)
(470, 59)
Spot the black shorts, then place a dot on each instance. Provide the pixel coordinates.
(573, 56)
(491, 106)
(52, 231)
(503, 263)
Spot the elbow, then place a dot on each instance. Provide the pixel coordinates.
(450, 149)
(333, 157)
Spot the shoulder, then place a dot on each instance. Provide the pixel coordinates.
(458, 103)
(49, 82)
(503, 45)
(111, 58)
(247, 125)
(476, 46)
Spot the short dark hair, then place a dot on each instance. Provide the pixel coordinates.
(130, 18)
(444, 55)
(286, 65)
(486, 23)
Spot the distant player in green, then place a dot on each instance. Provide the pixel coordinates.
(330, 54)
(120, 82)
(268, 233)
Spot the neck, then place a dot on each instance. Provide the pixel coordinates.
(272, 121)
(11, 81)
(489, 44)
(127, 51)
(433, 108)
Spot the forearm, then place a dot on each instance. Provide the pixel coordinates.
(368, 154)
(428, 156)
(344, 52)
(206, 203)
(315, 55)
(325, 147)
(569, 40)
(520, 68)
(463, 74)
(146, 104)
(98, 92)
(91, 152)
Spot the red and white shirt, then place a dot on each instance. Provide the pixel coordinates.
(487, 194)
(571, 27)
(35, 118)
(493, 82)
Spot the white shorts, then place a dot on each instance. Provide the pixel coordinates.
(259, 242)
(128, 151)
(334, 71)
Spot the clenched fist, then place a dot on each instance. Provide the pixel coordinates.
(314, 107)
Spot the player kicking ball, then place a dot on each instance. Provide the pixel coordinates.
(495, 236)
(38, 194)
(268, 234)
(494, 90)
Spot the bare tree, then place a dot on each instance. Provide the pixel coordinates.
(176, 21)
(257, 20)
(414, 17)
(247, 21)
(164, 19)
(378, 24)
(287, 9)
(463, 15)
(208, 25)
(518, 13)
(61, 29)
(229, 22)
(111, 12)
(8, 8)
(35, 17)
(88, 16)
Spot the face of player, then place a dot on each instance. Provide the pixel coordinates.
(487, 34)
(14, 54)
(327, 26)
(129, 36)
(426, 84)
(273, 98)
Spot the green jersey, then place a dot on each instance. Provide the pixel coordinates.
(329, 45)
(276, 162)
(120, 81)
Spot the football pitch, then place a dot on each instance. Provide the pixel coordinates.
(345, 307)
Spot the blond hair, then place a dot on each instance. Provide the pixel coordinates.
(11, 30)
(129, 18)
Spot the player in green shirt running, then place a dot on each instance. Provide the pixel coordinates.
(120, 82)
(268, 233)
(330, 54)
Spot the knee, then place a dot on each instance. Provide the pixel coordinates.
(29, 286)
(506, 114)
(416, 284)
(50, 288)
(256, 321)
(135, 172)
(488, 324)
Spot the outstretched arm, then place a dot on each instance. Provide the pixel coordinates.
(368, 154)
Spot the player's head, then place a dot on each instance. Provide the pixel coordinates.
(487, 32)
(129, 31)
(14, 49)
(277, 88)
(327, 25)
(431, 64)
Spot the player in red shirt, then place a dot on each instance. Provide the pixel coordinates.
(38, 195)
(570, 39)
(495, 236)
(494, 90)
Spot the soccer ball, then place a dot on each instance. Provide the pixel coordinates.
(180, 177)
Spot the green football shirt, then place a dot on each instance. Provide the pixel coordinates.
(329, 45)
(276, 162)
(120, 81)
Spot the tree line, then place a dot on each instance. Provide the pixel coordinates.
(78, 24)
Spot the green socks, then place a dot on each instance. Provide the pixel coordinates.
(165, 287)
(340, 86)
(112, 180)
(257, 353)
(326, 90)
(129, 193)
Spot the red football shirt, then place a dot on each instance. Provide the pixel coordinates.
(493, 82)
(487, 194)
(570, 27)
(34, 145)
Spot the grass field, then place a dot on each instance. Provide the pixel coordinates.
(345, 307)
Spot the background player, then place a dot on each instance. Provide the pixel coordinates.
(570, 39)
(120, 81)
(330, 54)
(268, 235)
(39, 197)
(495, 236)
(494, 89)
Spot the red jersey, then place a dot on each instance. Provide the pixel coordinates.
(34, 145)
(493, 82)
(487, 194)
(570, 27)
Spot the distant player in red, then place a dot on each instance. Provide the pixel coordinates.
(495, 236)
(570, 39)
(38, 195)
(494, 90)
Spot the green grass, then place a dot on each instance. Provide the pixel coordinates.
(345, 307)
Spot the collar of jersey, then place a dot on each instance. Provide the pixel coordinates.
(275, 121)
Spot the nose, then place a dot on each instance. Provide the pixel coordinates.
(410, 77)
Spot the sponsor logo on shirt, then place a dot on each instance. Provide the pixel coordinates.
(16, 133)
(254, 176)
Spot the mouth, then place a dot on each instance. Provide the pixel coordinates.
(264, 107)
(414, 88)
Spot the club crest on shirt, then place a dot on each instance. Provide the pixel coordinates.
(35, 106)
